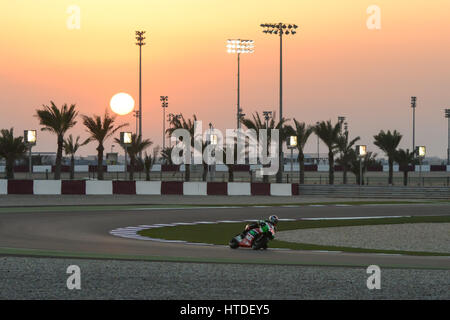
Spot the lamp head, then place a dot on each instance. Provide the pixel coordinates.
(30, 137)
(126, 138)
(292, 142)
(361, 150)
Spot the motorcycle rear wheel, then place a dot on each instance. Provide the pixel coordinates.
(234, 244)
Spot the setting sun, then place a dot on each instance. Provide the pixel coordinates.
(122, 103)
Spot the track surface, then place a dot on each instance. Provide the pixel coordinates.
(88, 233)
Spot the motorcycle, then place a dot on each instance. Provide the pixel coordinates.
(255, 239)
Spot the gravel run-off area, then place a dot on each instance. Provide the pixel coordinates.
(432, 237)
(45, 278)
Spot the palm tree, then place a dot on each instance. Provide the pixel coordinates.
(181, 123)
(57, 121)
(257, 124)
(367, 161)
(345, 147)
(149, 161)
(166, 155)
(404, 158)
(70, 148)
(136, 147)
(302, 132)
(329, 135)
(11, 149)
(100, 130)
(388, 142)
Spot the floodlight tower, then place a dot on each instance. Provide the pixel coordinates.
(447, 115)
(341, 120)
(267, 116)
(413, 106)
(164, 105)
(140, 42)
(239, 46)
(280, 29)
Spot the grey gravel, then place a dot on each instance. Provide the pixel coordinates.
(45, 278)
(432, 237)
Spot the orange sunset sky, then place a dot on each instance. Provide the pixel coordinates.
(333, 66)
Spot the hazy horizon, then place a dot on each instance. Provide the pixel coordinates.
(334, 65)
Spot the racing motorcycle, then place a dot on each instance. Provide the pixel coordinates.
(255, 238)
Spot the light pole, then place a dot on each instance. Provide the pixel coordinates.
(447, 115)
(292, 144)
(280, 29)
(239, 46)
(212, 141)
(136, 115)
(267, 116)
(341, 120)
(241, 115)
(164, 105)
(30, 138)
(318, 155)
(140, 42)
(125, 140)
(421, 152)
(361, 151)
(413, 106)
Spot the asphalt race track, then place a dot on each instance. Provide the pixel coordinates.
(87, 233)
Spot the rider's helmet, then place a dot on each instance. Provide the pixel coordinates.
(273, 220)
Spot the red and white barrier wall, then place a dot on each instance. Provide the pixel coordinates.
(222, 168)
(108, 187)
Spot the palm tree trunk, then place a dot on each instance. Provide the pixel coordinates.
(132, 163)
(9, 169)
(72, 167)
(301, 161)
(266, 177)
(59, 158)
(405, 177)
(147, 173)
(230, 174)
(205, 171)
(187, 172)
(391, 171)
(344, 177)
(331, 166)
(279, 175)
(100, 149)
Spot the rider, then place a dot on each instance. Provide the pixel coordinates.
(273, 220)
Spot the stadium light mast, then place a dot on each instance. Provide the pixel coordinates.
(267, 116)
(164, 105)
(447, 115)
(280, 29)
(413, 106)
(239, 46)
(140, 42)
